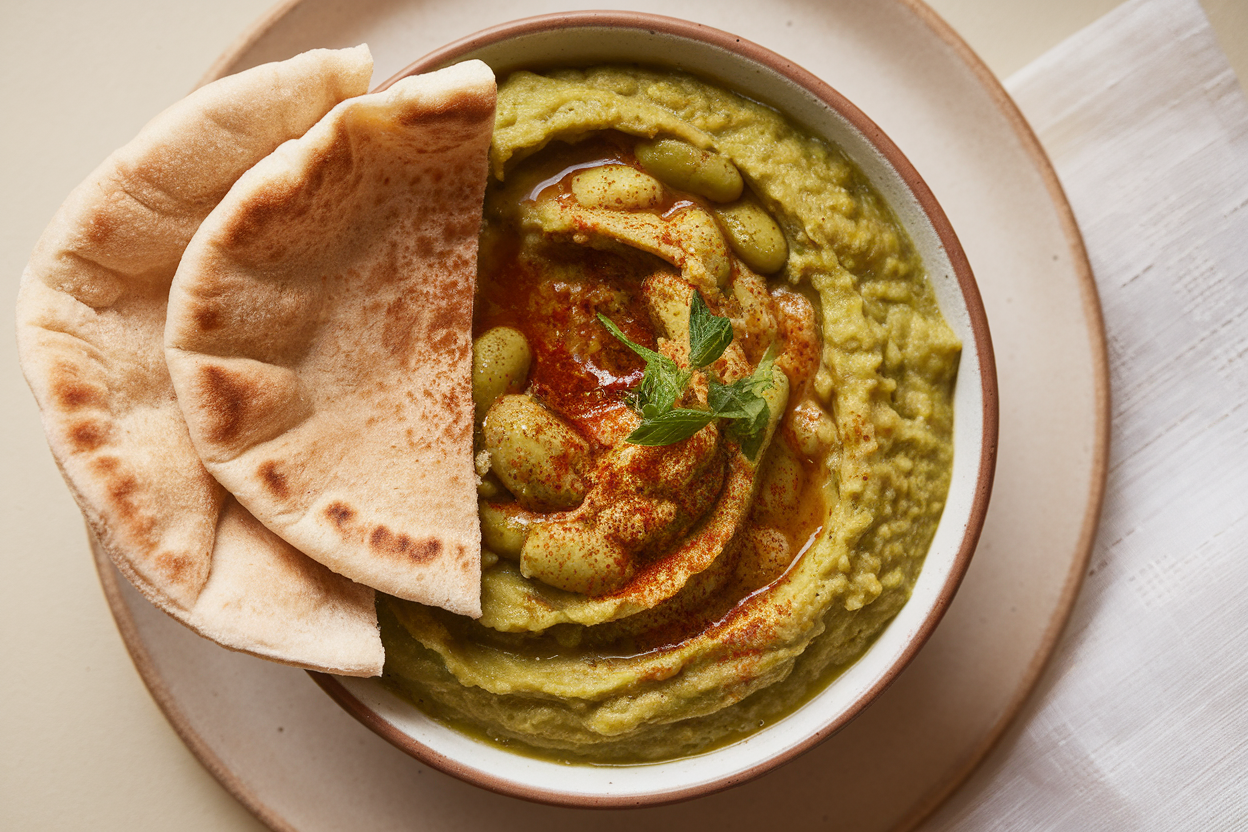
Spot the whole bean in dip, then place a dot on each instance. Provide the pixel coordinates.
(714, 413)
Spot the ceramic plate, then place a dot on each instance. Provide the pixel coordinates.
(297, 761)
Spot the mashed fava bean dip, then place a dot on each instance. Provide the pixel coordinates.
(714, 411)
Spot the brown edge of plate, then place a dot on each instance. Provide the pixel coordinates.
(110, 582)
(656, 24)
(1092, 313)
(1100, 445)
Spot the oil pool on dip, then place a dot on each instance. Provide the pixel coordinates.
(714, 424)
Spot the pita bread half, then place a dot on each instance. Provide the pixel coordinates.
(91, 318)
(319, 337)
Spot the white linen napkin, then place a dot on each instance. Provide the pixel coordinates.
(1141, 720)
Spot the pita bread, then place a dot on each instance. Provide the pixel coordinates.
(91, 317)
(319, 337)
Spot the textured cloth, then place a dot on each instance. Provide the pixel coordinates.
(1140, 721)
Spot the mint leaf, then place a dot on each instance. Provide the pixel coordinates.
(672, 426)
(733, 401)
(743, 398)
(662, 382)
(750, 431)
(761, 378)
(660, 386)
(647, 354)
(742, 402)
(709, 334)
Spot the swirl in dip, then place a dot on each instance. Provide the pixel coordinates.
(647, 601)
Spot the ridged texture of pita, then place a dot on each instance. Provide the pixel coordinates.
(319, 337)
(91, 318)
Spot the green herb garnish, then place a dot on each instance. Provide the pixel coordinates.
(670, 426)
(740, 403)
(743, 403)
(709, 334)
(662, 382)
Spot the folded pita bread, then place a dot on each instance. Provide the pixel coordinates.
(319, 337)
(91, 317)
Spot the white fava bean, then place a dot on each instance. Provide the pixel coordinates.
(500, 364)
(765, 556)
(619, 187)
(573, 557)
(504, 527)
(687, 168)
(668, 298)
(689, 238)
(702, 241)
(780, 485)
(489, 488)
(540, 460)
(754, 236)
(813, 430)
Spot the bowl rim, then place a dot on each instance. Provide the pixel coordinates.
(978, 324)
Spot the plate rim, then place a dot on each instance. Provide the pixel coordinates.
(110, 578)
(1099, 457)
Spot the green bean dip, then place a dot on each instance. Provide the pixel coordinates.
(648, 600)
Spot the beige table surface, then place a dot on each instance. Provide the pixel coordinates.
(82, 746)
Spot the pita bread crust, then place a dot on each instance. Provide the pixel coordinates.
(319, 337)
(91, 311)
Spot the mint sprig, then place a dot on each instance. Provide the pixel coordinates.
(740, 403)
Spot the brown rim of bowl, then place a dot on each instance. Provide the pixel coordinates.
(656, 24)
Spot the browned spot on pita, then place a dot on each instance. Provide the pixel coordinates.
(122, 489)
(419, 551)
(400, 317)
(100, 227)
(87, 436)
(225, 397)
(384, 540)
(208, 318)
(265, 218)
(339, 513)
(462, 430)
(446, 341)
(448, 319)
(463, 112)
(454, 401)
(396, 336)
(173, 566)
(273, 202)
(274, 480)
(122, 492)
(72, 395)
(331, 165)
(463, 227)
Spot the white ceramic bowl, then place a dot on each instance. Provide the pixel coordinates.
(586, 38)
